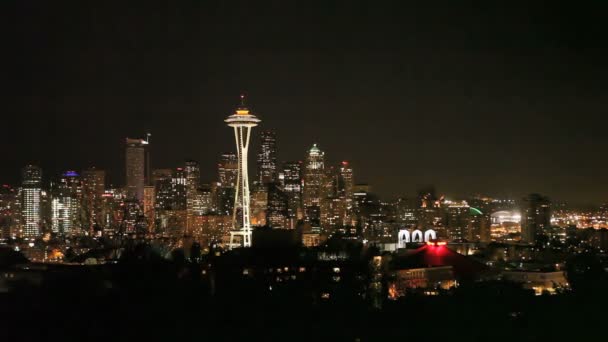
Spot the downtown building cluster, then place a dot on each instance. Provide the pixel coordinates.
(308, 205)
(318, 199)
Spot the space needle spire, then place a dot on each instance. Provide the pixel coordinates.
(242, 121)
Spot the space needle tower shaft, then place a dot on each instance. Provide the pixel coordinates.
(242, 121)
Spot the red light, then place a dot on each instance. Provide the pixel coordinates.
(436, 243)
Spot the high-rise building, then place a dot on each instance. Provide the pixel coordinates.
(179, 189)
(479, 226)
(162, 179)
(112, 202)
(242, 121)
(64, 204)
(149, 204)
(228, 169)
(333, 213)
(203, 201)
(315, 186)
(535, 217)
(277, 213)
(10, 212)
(267, 158)
(406, 212)
(259, 204)
(347, 181)
(136, 168)
(133, 219)
(93, 188)
(31, 183)
(345, 189)
(292, 186)
(193, 176)
(457, 222)
(314, 177)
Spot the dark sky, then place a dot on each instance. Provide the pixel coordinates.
(469, 96)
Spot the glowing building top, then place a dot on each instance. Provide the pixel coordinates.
(242, 116)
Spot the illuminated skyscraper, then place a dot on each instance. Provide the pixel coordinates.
(346, 181)
(292, 186)
(259, 204)
(64, 207)
(344, 189)
(457, 220)
(535, 217)
(93, 188)
(149, 205)
(314, 185)
(242, 121)
(10, 212)
(267, 158)
(136, 168)
(203, 203)
(161, 179)
(193, 176)
(228, 169)
(31, 181)
(276, 213)
(314, 177)
(179, 189)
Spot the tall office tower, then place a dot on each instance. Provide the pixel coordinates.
(347, 181)
(406, 212)
(367, 207)
(535, 217)
(225, 200)
(314, 177)
(64, 208)
(193, 179)
(203, 202)
(74, 182)
(344, 189)
(149, 205)
(133, 220)
(457, 220)
(107, 217)
(333, 213)
(314, 186)
(292, 186)
(136, 168)
(258, 204)
(31, 183)
(330, 182)
(276, 212)
(479, 226)
(242, 121)
(267, 158)
(179, 189)
(228, 169)
(9, 211)
(193, 175)
(93, 188)
(163, 189)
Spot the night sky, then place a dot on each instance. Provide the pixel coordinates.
(469, 96)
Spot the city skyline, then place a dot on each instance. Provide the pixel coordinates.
(117, 179)
(303, 171)
(497, 100)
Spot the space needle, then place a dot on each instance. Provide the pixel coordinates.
(242, 121)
